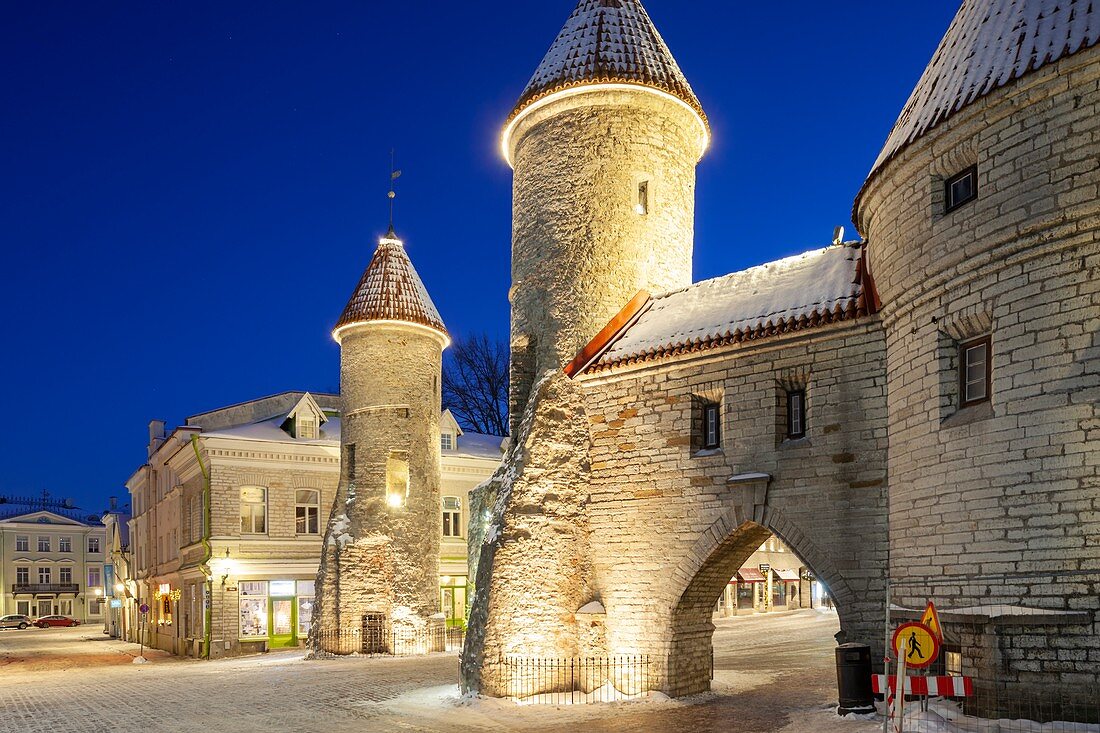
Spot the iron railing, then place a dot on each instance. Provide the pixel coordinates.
(45, 588)
(368, 641)
(576, 680)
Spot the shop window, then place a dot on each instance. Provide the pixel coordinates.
(93, 545)
(165, 610)
(22, 543)
(253, 510)
(253, 608)
(65, 576)
(305, 614)
(43, 544)
(307, 511)
(23, 608)
(961, 188)
(65, 544)
(452, 516)
(23, 575)
(975, 371)
(65, 606)
(45, 576)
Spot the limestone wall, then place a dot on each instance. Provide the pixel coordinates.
(377, 557)
(669, 527)
(580, 249)
(1011, 487)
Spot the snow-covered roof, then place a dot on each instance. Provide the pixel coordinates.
(391, 290)
(608, 41)
(469, 444)
(796, 293)
(990, 43)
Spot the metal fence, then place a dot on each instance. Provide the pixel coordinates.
(576, 680)
(1026, 642)
(372, 641)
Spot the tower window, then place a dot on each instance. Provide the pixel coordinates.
(642, 204)
(975, 371)
(961, 188)
(397, 479)
(796, 414)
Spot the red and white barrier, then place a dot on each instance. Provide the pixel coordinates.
(948, 686)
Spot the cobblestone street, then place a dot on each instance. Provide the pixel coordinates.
(773, 673)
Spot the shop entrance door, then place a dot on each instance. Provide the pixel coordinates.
(282, 628)
(45, 607)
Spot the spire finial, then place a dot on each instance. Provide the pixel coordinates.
(394, 175)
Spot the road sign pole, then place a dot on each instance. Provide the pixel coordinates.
(899, 696)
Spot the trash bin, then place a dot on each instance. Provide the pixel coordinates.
(853, 679)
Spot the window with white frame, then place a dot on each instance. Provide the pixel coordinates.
(975, 371)
(452, 516)
(796, 414)
(447, 441)
(712, 426)
(93, 545)
(22, 543)
(307, 511)
(43, 543)
(23, 574)
(65, 575)
(306, 428)
(64, 544)
(95, 577)
(253, 510)
(45, 576)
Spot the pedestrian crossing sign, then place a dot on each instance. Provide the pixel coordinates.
(931, 619)
(917, 643)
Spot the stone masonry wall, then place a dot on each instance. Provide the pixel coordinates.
(1012, 487)
(669, 527)
(380, 558)
(580, 250)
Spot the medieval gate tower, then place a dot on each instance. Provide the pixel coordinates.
(380, 567)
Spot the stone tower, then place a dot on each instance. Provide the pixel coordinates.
(604, 142)
(380, 567)
(983, 225)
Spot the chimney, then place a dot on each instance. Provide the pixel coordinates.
(156, 434)
(113, 503)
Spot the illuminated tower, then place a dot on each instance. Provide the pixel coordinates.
(380, 567)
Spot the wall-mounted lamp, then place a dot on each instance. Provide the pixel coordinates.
(226, 567)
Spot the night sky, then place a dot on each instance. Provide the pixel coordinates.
(190, 191)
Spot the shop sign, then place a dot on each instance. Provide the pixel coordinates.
(282, 588)
(765, 567)
(116, 603)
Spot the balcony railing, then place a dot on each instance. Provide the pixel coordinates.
(45, 588)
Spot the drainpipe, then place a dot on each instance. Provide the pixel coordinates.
(204, 566)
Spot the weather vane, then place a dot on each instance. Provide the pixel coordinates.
(394, 175)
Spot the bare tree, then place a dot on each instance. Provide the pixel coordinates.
(475, 384)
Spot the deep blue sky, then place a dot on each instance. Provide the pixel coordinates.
(191, 190)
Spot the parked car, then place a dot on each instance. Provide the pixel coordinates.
(46, 621)
(15, 621)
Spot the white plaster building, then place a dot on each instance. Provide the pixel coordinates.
(231, 507)
(52, 564)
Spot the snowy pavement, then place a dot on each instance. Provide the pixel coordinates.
(773, 674)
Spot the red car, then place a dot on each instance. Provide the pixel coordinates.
(44, 622)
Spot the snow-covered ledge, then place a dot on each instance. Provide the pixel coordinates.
(1001, 613)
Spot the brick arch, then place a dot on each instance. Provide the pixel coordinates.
(717, 554)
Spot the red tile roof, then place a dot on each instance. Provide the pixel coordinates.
(391, 290)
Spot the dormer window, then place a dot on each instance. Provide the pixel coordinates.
(961, 188)
(447, 441)
(306, 429)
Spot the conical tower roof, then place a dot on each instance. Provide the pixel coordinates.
(391, 290)
(990, 43)
(610, 42)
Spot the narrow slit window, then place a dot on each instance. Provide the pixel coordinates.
(975, 371)
(712, 426)
(642, 204)
(796, 414)
(961, 188)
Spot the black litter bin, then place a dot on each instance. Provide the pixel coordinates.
(853, 679)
